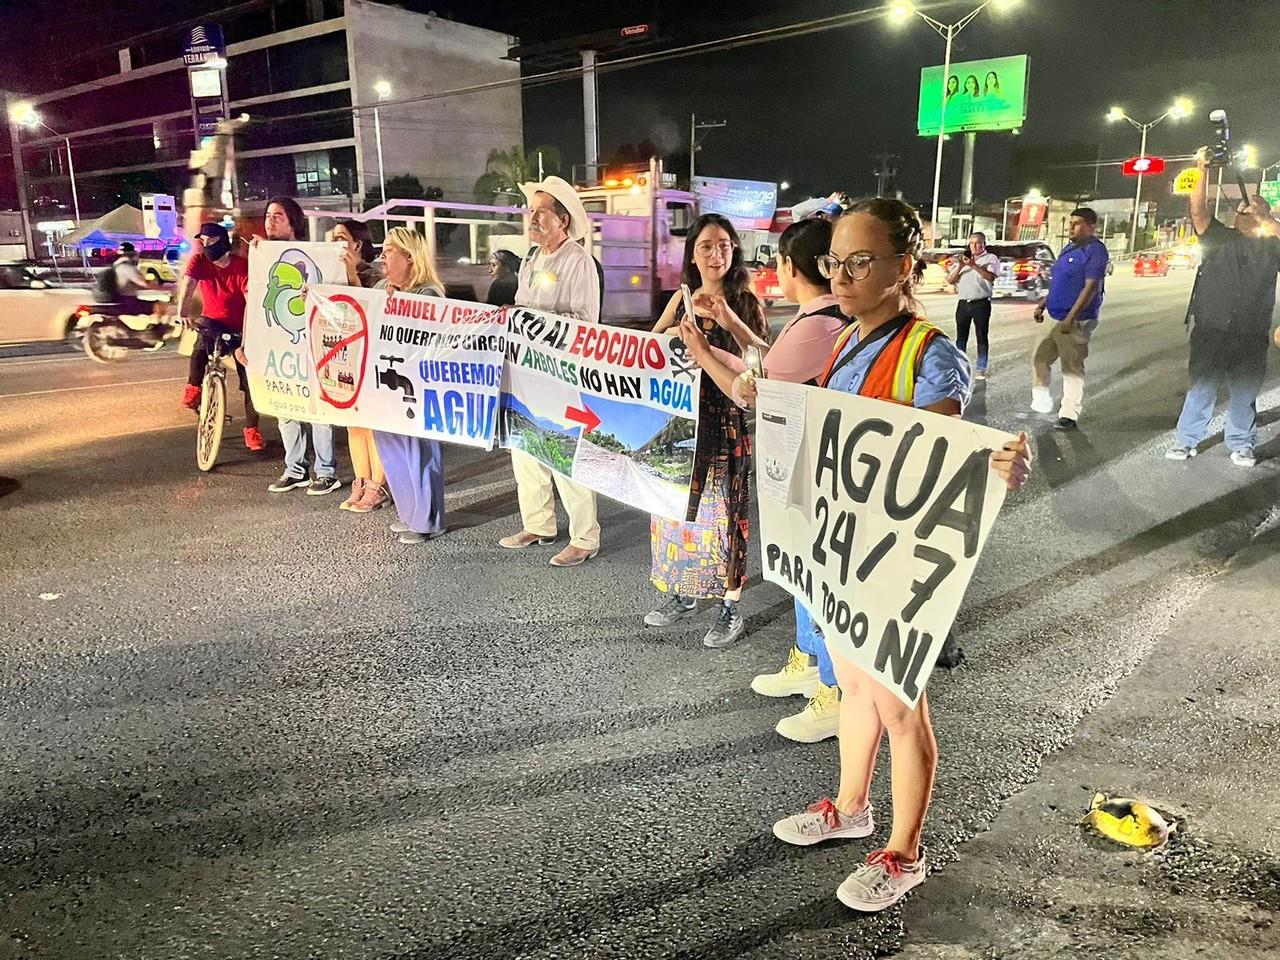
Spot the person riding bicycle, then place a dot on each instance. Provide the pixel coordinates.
(223, 282)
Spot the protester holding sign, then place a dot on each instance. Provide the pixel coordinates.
(706, 556)
(560, 277)
(369, 485)
(797, 356)
(284, 220)
(892, 354)
(414, 465)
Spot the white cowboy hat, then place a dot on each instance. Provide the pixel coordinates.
(563, 191)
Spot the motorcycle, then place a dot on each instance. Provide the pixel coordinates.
(109, 331)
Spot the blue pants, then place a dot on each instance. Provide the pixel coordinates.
(1239, 361)
(294, 436)
(415, 474)
(809, 640)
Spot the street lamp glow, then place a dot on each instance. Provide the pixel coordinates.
(382, 89)
(1004, 6)
(24, 114)
(1249, 153)
(1182, 107)
(784, 185)
(1114, 114)
(1033, 195)
(901, 11)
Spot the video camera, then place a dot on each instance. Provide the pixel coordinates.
(1220, 153)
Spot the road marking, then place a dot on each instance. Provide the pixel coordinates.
(92, 386)
(77, 356)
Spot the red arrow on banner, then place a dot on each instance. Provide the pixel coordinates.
(585, 416)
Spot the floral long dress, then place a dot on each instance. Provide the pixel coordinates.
(707, 553)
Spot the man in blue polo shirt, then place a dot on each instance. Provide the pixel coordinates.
(1075, 297)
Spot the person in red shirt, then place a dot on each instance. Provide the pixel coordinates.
(223, 282)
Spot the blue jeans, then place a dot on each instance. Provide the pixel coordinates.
(1219, 356)
(809, 640)
(294, 436)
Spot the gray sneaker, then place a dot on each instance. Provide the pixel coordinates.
(674, 608)
(322, 485)
(729, 626)
(1244, 457)
(1180, 453)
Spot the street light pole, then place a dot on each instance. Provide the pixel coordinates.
(71, 169)
(1181, 108)
(383, 90)
(1137, 197)
(902, 10)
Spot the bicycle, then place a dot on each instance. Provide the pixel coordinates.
(213, 404)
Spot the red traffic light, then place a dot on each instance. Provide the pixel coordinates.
(1147, 166)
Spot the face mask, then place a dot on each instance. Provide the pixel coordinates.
(217, 249)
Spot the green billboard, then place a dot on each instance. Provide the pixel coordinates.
(981, 95)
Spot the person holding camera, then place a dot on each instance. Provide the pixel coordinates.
(1073, 304)
(1230, 316)
(972, 274)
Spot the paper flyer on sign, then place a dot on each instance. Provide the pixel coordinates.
(614, 409)
(881, 526)
(781, 432)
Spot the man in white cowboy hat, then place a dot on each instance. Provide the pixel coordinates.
(557, 276)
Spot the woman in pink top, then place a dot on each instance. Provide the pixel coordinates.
(798, 355)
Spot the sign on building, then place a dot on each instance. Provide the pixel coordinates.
(748, 203)
(204, 43)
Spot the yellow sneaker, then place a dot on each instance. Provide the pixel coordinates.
(819, 720)
(799, 676)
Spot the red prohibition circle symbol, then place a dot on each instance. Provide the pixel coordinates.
(356, 341)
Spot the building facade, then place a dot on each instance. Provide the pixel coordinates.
(309, 74)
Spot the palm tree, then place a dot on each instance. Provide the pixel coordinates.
(505, 170)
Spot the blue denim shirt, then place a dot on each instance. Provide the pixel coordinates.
(944, 372)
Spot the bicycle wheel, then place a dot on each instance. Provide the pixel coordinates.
(213, 418)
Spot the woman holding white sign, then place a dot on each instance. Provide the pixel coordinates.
(706, 556)
(798, 355)
(414, 465)
(889, 353)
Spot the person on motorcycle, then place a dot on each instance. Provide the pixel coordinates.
(223, 281)
(129, 280)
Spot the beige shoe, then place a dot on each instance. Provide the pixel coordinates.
(573, 556)
(819, 720)
(357, 491)
(523, 539)
(374, 496)
(799, 676)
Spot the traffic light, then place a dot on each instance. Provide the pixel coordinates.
(1147, 166)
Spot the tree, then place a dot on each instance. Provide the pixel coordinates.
(505, 170)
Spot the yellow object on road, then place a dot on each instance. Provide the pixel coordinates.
(1131, 822)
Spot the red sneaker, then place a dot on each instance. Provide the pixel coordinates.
(253, 439)
(191, 397)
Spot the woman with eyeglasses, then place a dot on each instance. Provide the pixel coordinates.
(414, 466)
(706, 556)
(889, 352)
(798, 355)
(369, 488)
(504, 267)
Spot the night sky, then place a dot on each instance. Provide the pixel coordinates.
(815, 110)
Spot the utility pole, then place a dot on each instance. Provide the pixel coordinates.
(966, 179)
(694, 127)
(886, 172)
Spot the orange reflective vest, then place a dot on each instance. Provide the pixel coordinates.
(893, 372)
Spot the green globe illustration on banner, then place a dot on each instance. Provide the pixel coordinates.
(285, 303)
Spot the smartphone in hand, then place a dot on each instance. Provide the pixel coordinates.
(687, 297)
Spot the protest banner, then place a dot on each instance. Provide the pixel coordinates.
(874, 515)
(402, 363)
(616, 410)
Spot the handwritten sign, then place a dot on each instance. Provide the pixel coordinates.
(873, 515)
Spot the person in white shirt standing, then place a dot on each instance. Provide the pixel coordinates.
(560, 277)
(974, 272)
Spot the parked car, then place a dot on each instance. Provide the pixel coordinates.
(937, 264)
(764, 282)
(1151, 265)
(161, 269)
(1025, 268)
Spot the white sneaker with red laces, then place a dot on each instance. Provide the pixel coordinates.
(824, 821)
(882, 881)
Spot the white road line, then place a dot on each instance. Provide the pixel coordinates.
(92, 386)
(79, 357)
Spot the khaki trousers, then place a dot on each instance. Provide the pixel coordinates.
(538, 505)
(1070, 349)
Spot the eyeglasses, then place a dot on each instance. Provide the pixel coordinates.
(725, 249)
(856, 265)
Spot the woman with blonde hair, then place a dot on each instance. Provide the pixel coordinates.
(414, 466)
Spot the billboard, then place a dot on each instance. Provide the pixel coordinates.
(981, 95)
(749, 204)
